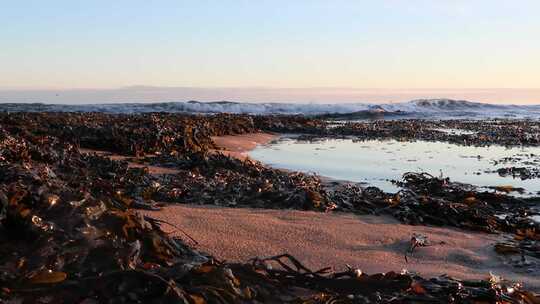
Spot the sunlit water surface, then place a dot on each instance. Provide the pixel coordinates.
(376, 162)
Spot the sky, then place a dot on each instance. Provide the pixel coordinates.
(76, 47)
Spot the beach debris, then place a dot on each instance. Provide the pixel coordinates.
(417, 240)
(69, 232)
(525, 245)
(352, 286)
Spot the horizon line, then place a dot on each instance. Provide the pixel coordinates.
(328, 95)
(142, 86)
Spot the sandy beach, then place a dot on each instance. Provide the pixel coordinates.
(239, 145)
(371, 243)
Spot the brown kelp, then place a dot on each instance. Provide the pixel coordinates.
(70, 234)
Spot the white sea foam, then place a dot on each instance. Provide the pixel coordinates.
(423, 108)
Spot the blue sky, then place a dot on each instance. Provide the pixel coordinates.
(276, 44)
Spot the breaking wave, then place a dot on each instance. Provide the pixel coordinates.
(422, 108)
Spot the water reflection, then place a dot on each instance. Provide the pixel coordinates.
(376, 162)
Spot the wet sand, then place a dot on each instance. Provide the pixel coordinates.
(239, 145)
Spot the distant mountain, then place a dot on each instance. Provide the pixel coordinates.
(421, 108)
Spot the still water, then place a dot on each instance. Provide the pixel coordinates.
(375, 162)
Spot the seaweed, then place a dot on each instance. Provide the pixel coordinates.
(69, 231)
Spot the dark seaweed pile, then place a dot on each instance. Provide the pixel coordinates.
(156, 132)
(69, 232)
(481, 133)
(507, 132)
(220, 180)
(131, 134)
